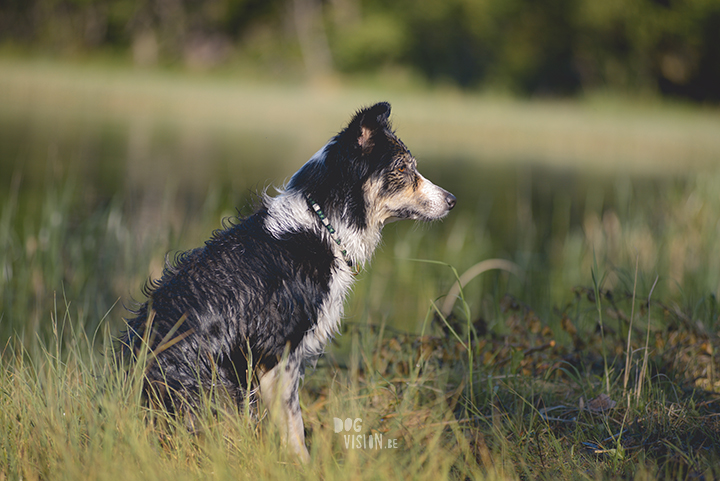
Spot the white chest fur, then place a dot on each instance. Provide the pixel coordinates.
(330, 313)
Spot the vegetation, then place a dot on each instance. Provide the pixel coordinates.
(597, 361)
(555, 47)
(503, 391)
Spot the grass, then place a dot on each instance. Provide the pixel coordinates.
(597, 362)
(508, 406)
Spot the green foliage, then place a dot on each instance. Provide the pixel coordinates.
(375, 42)
(536, 47)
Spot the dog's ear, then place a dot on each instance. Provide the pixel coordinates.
(369, 121)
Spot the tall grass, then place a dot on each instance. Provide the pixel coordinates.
(70, 412)
(502, 387)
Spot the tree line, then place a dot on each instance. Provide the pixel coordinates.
(527, 47)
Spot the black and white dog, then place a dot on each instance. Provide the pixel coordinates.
(265, 295)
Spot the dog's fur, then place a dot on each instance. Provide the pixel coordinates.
(265, 295)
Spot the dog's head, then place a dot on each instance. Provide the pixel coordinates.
(394, 189)
(367, 176)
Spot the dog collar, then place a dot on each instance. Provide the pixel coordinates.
(323, 218)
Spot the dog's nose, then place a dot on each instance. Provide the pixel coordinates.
(450, 199)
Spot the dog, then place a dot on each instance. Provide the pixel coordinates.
(263, 297)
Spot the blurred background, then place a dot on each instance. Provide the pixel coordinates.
(539, 47)
(569, 130)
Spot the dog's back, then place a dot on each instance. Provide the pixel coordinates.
(243, 297)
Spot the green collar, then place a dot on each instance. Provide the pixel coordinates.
(331, 229)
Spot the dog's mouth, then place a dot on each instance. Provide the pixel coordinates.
(428, 211)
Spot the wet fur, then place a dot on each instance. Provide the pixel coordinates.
(265, 295)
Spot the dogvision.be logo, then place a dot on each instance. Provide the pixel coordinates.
(361, 441)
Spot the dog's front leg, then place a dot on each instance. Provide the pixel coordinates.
(279, 391)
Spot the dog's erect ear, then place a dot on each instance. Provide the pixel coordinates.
(369, 121)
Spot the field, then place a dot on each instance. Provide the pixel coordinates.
(595, 359)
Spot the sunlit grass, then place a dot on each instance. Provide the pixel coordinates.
(71, 412)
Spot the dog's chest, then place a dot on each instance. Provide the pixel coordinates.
(329, 314)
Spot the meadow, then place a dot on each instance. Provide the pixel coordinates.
(594, 359)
